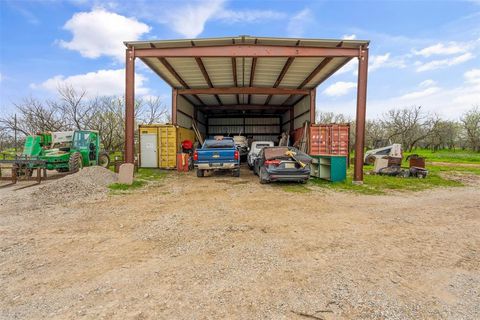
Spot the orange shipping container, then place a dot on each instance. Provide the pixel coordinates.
(329, 139)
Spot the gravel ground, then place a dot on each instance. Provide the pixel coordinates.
(222, 247)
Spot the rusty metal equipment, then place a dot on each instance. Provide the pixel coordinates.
(23, 168)
(414, 160)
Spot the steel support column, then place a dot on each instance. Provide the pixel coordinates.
(361, 114)
(174, 105)
(129, 105)
(312, 105)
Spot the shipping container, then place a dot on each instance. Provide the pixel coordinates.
(160, 143)
(329, 139)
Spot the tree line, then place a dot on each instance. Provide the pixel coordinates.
(413, 127)
(73, 110)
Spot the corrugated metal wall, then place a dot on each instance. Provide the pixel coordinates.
(201, 120)
(185, 108)
(301, 112)
(266, 128)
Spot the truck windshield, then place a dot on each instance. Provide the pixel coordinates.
(81, 140)
(218, 144)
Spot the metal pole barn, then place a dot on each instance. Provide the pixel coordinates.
(150, 54)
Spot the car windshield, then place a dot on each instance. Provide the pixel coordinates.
(218, 144)
(262, 145)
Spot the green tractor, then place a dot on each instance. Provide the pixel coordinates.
(62, 151)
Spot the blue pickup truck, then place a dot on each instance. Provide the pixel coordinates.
(217, 154)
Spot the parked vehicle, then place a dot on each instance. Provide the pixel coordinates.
(282, 164)
(255, 149)
(395, 150)
(241, 143)
(67, 151)
(219, 153)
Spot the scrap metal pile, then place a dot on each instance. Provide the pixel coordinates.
(389, 163)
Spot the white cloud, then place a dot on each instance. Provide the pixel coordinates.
(450, 48)
(339, 88)
(249, 16)
(377, 62)
(196, 14)
(349, 37)
(99, 83)
(100, 32)
(384, 61)
(472, 76)
(419, 94)
(298, 24)
(1, 77)
(427, 83)
(189, 20)
(437, 64)
(352, 65)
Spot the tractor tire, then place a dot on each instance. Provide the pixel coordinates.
(103, 160)
(200, 173)
(75, 162)
(370, 159)
(263, 176)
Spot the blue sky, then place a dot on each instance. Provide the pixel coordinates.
(422, 52)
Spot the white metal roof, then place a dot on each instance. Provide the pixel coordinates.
(267, 69)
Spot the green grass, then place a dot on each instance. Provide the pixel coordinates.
(451, 156)
(376, 184)
(125, 187)
(151, 174)
(142, 178)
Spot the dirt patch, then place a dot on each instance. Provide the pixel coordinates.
(243, 251)
(465, 178)
(456, 164)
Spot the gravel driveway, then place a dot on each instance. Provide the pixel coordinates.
(229, 248)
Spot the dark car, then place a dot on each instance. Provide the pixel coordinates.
(282, 164)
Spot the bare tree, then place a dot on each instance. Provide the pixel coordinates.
(375, 134)
(330, 117)
(407, 126)
(151, 110)
(471, 126)
(34, 116)
(443, 134)
(77, 110)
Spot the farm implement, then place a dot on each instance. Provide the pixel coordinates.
(66, 152)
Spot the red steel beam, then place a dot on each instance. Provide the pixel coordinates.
(206, 76)
(360, 117)
(129, 105)
(245, 90)
(245, 107)
(281, 76)
(247, 51)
